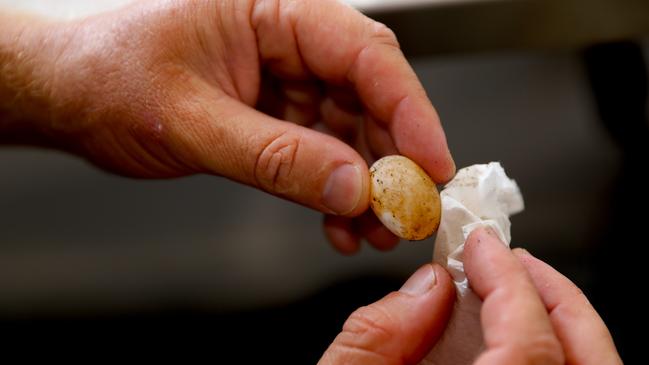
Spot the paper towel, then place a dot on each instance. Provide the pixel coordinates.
(478, 196)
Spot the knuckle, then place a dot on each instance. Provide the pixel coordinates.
(370, 327)
(259, 8)
(275, 163)
(382, 34)
(368, 332)
(573, 308)
(541, 350)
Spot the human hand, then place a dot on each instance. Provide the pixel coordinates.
(531, 314)
(170, 88)
(401, 328)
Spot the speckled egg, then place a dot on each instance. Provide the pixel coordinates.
(404, 198)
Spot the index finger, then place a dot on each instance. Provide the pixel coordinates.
(339, 45)
(580, 329)
(515, 323)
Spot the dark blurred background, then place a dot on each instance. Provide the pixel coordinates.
(555, 91)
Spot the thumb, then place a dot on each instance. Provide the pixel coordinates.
(400, 328)
(300, 164)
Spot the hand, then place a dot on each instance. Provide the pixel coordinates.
(531, 314)
(231, 88)
(400, 328)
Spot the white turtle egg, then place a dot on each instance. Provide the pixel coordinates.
(404, 198)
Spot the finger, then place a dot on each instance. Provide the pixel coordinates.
(342, 122)
(345, 98)
(583, 334)
(378, 138)
(362, 146)
(369, 227)
(293, 101)
(516, 326)
(303, 102)
(339, 45)
(300, 114)
(400, 328)
(302, 92)
(340, 233)
(229, 138)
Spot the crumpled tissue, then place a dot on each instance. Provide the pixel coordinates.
(478, 196)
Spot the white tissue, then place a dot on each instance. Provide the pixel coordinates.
(478, 196)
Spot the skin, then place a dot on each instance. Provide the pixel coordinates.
(274, 94)
(279, 95)
(531, 314)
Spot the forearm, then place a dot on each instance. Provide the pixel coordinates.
(29, 49)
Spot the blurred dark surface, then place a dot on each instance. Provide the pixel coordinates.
(202, 265)
(618, 76)
(295, 333)
(469, 27)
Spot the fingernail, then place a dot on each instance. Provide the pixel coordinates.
(484, 233)
(343, 189)
(420, 282)
(490, 231)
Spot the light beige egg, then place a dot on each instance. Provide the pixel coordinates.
(404, 198)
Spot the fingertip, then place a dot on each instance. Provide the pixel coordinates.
(474, 237)
(349, 249)
(483, 233)
(418, 134)
(438, 282)
(340, 234)
(448, 172)
(441, 171)
(382, 239)
(375, 232)
(441, 163)
(489, 264)
(479, 237)
(345, 244)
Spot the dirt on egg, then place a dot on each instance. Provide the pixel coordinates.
(404, 198)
